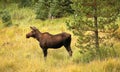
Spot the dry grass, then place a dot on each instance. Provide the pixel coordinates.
(18, 54)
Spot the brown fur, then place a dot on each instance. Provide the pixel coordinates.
(47, 40)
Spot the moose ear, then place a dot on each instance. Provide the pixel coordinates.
(33, 28)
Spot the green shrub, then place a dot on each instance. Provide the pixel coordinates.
(6, 18)
(85, 57)
(106, 52)
(90, 55)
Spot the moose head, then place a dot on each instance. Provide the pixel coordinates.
(33, 33)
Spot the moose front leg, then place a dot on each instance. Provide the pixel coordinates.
(45, 53)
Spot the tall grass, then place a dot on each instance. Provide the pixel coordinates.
(18, 54)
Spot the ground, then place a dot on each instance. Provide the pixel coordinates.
(18, 54)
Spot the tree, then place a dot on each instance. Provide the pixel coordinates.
(25, 3)
(42, 9)
(53, 8)
(60, 8)
(92, 18)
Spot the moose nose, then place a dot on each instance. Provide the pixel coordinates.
(27, 36)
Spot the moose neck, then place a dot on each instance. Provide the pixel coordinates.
(38, 35)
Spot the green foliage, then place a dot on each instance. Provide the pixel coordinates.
(25, 3)
(86, 56)
(53, 9)
(6, 18)
(60, 8)
(56, 9)
(94, 22)
(42, 9)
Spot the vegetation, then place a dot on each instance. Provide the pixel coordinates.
(61, 8)
(93, 18)
(6, 18)
(42, 9)
(53, 9)
(18, 54)
(25, 3)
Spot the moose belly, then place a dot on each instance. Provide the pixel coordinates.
(54, 45)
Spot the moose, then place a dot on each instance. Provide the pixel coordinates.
(47, 40)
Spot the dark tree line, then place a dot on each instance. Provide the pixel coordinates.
(53, 8)
(44, 8)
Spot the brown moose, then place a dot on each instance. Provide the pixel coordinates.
(47, 40)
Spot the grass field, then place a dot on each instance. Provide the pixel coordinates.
(18, 54)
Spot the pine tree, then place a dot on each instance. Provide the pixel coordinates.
(60, 8)
(25, 3)
(93, 17)
(53, 8)
(42, 9)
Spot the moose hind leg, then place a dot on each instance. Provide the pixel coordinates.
(67, 43)
(69, 51)
(68, 48)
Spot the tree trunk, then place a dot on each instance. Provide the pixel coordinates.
(96, 33)
(96, 26)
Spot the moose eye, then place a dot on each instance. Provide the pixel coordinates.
(32, 31)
